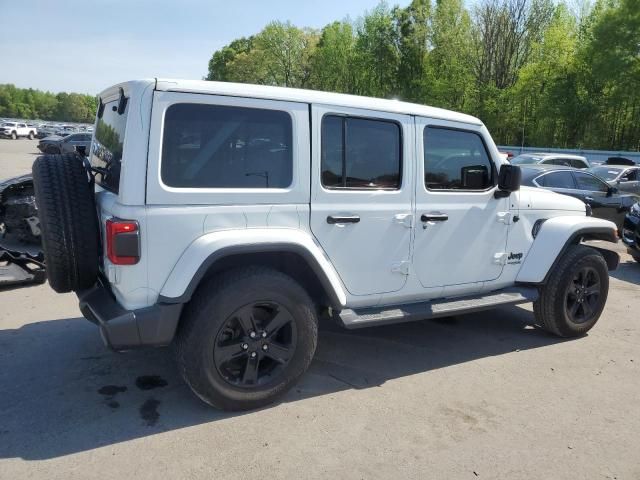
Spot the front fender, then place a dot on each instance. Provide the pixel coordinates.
(554, 236)
(209, 248)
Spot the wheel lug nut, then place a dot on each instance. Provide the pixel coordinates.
(265, 347)
(245, 346)
(264, 334)
(252, 334)
(253, 354)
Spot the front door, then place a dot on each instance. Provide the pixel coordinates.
(461, 228)
(362, 184)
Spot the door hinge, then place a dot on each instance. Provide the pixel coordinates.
(500, 258)
(405, 219)
(505, 217)
(401, 267)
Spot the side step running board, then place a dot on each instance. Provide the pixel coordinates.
(442, 307)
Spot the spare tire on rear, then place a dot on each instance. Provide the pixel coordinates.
(68, 221)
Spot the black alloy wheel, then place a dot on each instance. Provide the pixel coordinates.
(583, 295)
(255, 344)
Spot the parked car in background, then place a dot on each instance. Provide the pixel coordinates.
(73, 142)
(631, 232)
(16, 130)
(604, 200)
(575, 161)
(624, 178)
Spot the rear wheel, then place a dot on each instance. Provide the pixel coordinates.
(30, 135)
(14, 136)
(51, 150)
(246, 338)
(574, 296)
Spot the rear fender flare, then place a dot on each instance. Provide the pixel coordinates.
(205, 251)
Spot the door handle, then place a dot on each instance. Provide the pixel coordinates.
(334, 219)
(434, 217)
(588, 199)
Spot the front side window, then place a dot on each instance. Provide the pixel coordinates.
(360, 153)
(630, 176)
(590, 183)
(214, 146)
(456, 160)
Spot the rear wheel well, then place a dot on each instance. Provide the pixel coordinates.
(291, 264)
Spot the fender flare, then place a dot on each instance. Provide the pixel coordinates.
(208, 249)
(555, 236)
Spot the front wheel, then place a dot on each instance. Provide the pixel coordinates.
(31, 135)
(574, 296)
(246, 338)
(14, 136)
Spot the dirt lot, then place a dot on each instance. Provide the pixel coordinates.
(480, 396)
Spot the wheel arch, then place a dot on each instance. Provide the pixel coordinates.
(556, 235)
(215, 253)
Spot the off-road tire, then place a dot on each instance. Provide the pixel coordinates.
(207, 313)
(68, 221)
(51, 150)
(550, 309)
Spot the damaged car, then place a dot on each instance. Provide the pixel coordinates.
(21, 256)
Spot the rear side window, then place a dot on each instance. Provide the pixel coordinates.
(456, 160)
(360, 153)
(556, 180)
(106, 150)
(213, 146)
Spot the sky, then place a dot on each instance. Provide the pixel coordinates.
(86, 46)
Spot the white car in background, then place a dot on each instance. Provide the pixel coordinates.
(575, 161)
(15, 130)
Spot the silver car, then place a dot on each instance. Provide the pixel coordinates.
(562, 159)
(622, 177)
(76, 142)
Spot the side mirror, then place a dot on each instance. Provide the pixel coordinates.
(475, 177)
(611, 191)
(509, 179)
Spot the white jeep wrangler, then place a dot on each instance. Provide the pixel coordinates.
(231, 218)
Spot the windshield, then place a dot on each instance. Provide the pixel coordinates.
(525, 160)
(106, 150)
(8, 124)
(606, 173)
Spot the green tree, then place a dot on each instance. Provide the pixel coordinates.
(332, 61)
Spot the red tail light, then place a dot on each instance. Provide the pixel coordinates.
(123, 241)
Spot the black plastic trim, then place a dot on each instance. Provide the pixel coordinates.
(123, 329)
(256, 248)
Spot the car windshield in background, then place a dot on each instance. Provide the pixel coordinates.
(106, 151)
(606, 173)
(525, 160)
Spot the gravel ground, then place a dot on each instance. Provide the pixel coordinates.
(479, 396)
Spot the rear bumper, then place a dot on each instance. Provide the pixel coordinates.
(123, 329)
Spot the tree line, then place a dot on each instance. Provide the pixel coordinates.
(30, 104)
(537, 72)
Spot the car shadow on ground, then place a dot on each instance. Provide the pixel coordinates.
(63, 392)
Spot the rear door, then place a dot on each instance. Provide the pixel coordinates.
(361, 191)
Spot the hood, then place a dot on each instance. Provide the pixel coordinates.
(52, 138)
(532, 198)
(4, 184)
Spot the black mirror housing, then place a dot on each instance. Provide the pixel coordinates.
(509, 179)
